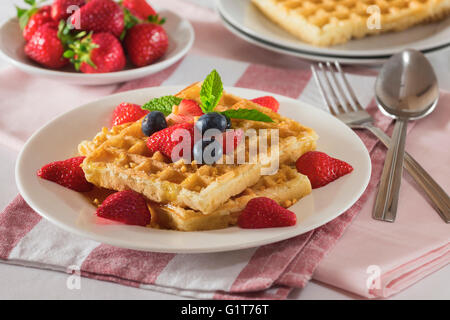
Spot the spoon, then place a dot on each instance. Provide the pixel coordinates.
(406, 89)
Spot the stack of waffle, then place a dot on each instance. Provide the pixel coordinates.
(189, 196)
(331, 22)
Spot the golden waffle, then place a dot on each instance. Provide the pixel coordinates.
(118, 159)
(285, 187)
(331, 22)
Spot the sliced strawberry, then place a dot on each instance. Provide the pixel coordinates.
(127, 112)
(177, 118)
(231, 139)
(127, 206)
(263, 212)
(163, 142)
(189, 108)
(67, 173)
(268, 102)
(321, 169)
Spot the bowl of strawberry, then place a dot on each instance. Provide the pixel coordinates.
(94, 42)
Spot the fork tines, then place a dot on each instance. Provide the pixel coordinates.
(339, 103)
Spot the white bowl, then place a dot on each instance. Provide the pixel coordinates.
(179, 30)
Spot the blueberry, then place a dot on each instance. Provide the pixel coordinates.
(228, 121)
(211, 120)
(153, 122)
(207, 151)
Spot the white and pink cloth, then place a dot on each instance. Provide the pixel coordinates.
(417, 244)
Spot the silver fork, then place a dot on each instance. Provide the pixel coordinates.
(356, 117)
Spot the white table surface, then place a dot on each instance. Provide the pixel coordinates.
(28, 283)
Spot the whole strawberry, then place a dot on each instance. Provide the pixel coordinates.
(127, 112)
(127, 206)
(163, 142)
(46, 48)
(145, 43)
(97, 53)
(139, 8)
(265, 213)
(67, 173)
(268, 102)
(321, 169)
(62, 9)
(99, 16)
(32, 19)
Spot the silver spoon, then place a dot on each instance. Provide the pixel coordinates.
(406, 89)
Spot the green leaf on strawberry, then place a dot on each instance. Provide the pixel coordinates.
(25, 14)
(163, 104)
(156, 19)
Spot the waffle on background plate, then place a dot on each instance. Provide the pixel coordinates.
(191, 197)
(332, 22)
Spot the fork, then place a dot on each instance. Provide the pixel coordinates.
(356, 117)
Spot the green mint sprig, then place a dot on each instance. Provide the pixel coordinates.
(247, 114)
(211, 92)
(163, 104)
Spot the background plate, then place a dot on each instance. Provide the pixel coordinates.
(243, 15)
(71, 211)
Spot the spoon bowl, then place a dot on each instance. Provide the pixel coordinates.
(406, 86)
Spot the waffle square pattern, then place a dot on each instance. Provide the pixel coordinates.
(332, 22)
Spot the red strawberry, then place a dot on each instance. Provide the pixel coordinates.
(97, 53)
(185, 112)
(41, 17)
(265, 213)
(99, 16)
(67, 173)
(139, 8)
(189, 108)
(162, 140)
(127, 112)
(145, 43)
(234, 137)
(127, 206)
(321, 169)
(62, 9)
(46, 48)
(268, 102)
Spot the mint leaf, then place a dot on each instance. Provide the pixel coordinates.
(211, 92)
(163, 104)
(247, 114)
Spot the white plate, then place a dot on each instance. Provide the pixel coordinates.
(179, 30)
(246, 17)
(300, 54)
(72, 211)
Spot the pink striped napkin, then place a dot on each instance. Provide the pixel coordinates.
(269, 271)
